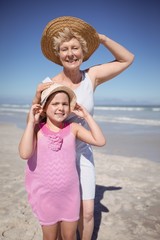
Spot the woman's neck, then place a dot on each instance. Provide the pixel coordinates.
(72, 76)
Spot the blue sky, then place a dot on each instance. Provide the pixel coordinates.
(134, 24)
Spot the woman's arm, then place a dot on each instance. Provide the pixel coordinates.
(41, 86)
(28, 140)
(104, 72)
(37, 98)
(94, 136)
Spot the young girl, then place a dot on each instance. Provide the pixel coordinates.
(52, 180)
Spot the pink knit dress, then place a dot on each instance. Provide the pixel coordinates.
(52, 181)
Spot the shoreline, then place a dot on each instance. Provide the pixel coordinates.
(127, 195)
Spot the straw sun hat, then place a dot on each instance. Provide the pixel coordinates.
(75, 24)
(56, 87)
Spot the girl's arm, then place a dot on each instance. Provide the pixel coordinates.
(122, 60)
(94, 136)
(28, 140)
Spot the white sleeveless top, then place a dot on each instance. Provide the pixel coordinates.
(85, 161)
(85, 92)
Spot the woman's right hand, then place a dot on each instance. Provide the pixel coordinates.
(40, 88)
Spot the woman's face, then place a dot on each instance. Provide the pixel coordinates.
(71, 54)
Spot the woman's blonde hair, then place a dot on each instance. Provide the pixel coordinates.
(65, 36)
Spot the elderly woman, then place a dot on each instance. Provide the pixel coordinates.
(69, 41)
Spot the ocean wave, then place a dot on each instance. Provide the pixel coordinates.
(5, 105)
(127, 108)
(148, 116)
(156, 109)
(25, 107)
(127, 120)
(14, 109)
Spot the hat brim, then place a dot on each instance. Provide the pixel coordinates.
(76, 24)
(56, 88)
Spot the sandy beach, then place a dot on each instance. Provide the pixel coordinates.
(127, 205)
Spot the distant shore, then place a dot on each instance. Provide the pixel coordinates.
(127, 195)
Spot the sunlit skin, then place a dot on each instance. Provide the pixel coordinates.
(71, 54)
(57, 109)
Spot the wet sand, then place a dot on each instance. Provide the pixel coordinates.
(127, 205)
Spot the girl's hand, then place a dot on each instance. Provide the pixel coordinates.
(35, 112)
(80, 111)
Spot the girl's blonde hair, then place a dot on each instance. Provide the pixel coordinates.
(65, 36)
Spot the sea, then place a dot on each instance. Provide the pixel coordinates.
(132, 131)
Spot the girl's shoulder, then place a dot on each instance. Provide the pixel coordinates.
(74, 127)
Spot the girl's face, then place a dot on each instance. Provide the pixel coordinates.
(58, 107)
(71, 54)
